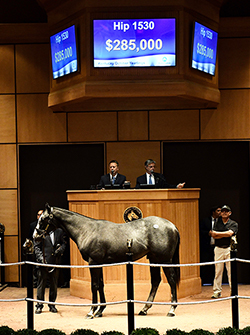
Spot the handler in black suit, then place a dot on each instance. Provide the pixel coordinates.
(113, 177)
(31, 231)
(207, 244)
(49, 250)
(153, 178)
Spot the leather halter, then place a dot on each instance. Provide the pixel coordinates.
(49, 220)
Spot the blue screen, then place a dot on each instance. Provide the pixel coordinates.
(204, 49)
(64, 52)
(134, 43)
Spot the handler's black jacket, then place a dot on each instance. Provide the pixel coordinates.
(45, 250)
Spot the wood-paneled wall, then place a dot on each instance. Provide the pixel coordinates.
(231, 119)
(129, 136)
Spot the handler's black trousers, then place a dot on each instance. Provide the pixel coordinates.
(44, 274)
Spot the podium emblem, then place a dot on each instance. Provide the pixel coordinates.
(132, 213)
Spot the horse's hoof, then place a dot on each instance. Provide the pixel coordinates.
(89, 316)
(98, 314)
(171, 314)
(142, 312)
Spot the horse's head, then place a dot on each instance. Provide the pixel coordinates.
(46, 223)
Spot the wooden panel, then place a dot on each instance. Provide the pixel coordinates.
(8, 211)
(7, 84)
(32, 68)
(7, 118)
(88, 208)
(75, 196)
(24, 33)
(11, 256)
(234, 27)
(62, 10)
(234, 63)
(131, 157)
(8, 170)
(230, 120)
(36, 122)
(132, 126)
(172, 125)
(176, 211)
(92, 126)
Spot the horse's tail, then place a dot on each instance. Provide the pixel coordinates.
(176, 260)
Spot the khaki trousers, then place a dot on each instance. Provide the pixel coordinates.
(219, 255)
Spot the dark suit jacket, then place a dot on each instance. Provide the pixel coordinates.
(45, 250)
(105, 180)
(160, 181)
(31, 230)
(205, 227)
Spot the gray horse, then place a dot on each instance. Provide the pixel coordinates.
(104, 242)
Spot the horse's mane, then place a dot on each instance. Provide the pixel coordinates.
(75, 213)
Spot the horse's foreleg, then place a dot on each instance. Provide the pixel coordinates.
(171, 277)
(98, 313)
(94, 288)
(155, 282)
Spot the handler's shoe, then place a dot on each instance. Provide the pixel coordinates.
(52, 309)
(38, 310)
(216, 295)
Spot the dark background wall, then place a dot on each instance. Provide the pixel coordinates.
(48, 171)
(221, 171)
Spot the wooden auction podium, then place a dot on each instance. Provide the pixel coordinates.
(180, 206)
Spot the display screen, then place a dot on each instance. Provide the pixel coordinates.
(64, 52)
(204, 49)
(134, 43)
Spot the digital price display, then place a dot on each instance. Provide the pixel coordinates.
(134, 43)
(204, 49)
(64, 52)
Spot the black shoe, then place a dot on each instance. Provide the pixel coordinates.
(53, 309)
(38, 310)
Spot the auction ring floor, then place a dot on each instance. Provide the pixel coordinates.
(209, 316)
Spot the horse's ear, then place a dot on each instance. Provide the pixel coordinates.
(47, 206)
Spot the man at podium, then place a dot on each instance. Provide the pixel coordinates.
(153, 179)
(113, 179)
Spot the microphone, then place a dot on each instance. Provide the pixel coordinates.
(112, 172)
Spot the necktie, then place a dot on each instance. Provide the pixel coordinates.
(150, 179)
(113, 180)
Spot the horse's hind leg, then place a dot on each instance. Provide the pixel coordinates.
(98, 313)
(171, 277)
(155, 282)
(95, 274)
